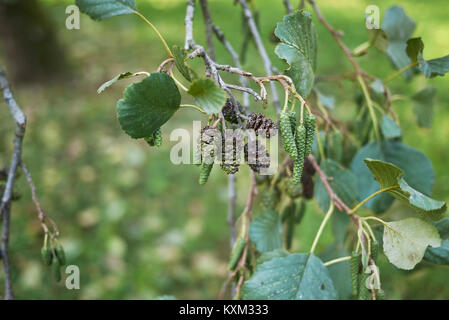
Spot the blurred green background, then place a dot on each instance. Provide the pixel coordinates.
(137, 225)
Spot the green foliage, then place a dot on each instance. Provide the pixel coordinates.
(399, 28)
(440, 255)
(298, 48)
(417, 168)
(147, 105)
(123, 75)
(102, 9)
(405, 241)
(180, 55)
(265, 231)
(207, 95)
(294, 277)
(423, 106)
(390, 129)
(430, 68)
(390, 179)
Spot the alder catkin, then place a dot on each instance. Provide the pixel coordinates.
(56, 270)
(47, 255)
(60, 254)
(310, 124)
(355, 261)
(292, 190)
(287, 136)
(300, 140)
(205, 172)
(236, 253)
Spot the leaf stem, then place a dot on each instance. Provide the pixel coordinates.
(323, 224)
(357, 207)
(328, 263)
(178, 82)
(399, 72)
(157, 32)
(193, 107)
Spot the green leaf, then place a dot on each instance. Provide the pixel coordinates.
(339, 272)
(325, 100)
(389, 128)
(423, 106)
(207, 95)
(390, 177)
(123, 75)
(295, 277)
(267, 256)
(342, 181)
(430, 68)
(440, 255)
(298, 48)
(102, 9)
(405, 241)
(418, 171)
(398, 28)
(147, 105)
(179, 54)
(265, 231)
(378, 38)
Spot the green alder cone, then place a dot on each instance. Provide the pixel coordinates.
(287, 136)
(56, 270)
(60, 254)
(356, 259)
(270, 199)
(236, 253)
(310, 124)
(205, 172)
(47, 255)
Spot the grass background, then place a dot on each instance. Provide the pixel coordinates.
(139, 226)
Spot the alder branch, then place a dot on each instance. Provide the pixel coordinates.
(16, 161)
(209, 28)
(262, 51)
(288, 6)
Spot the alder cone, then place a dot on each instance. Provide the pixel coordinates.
(230, 152)
(229, 111)
(258, 121)
(256, 156)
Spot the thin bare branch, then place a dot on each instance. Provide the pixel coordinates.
(209, 28)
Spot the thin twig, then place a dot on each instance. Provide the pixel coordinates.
(262, 51)
(209, 28)
(288, 6)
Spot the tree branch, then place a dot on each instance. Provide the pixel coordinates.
(260, 46)
(209, 28)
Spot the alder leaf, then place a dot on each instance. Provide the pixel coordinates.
(179, 54)
(423, 106)
(398, 28)
(390, 178)
(389, 128)
(440, 255)
(265, 231)
(123, 75)
(102, 9)
(430, 68)
(147, 105)
(418, 171)
(405, 241)
(207, 95)
(298, 48)
(297, 276)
